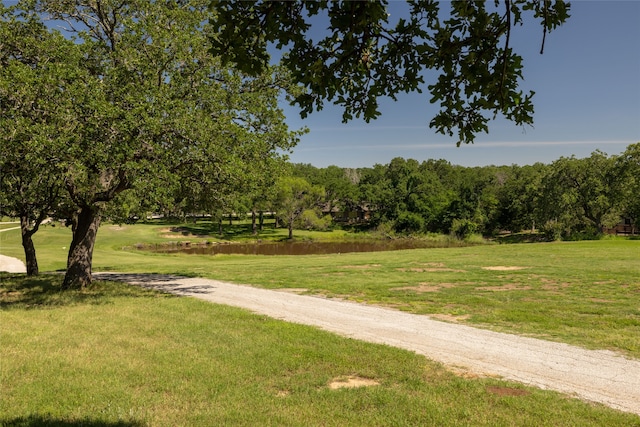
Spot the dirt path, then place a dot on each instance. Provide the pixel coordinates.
(599, 376)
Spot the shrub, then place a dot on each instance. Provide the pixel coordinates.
(463, 228)
(310, 220)
(553, 230)
(409, 222)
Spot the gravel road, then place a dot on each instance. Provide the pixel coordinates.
(598, 376)
(12, 265)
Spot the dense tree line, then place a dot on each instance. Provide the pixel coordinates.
(568, 197)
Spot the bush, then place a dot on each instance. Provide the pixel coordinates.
(463, 228)
(553, 230)
(384, 230)
(310, 220)
(409, 222)
(589, 233)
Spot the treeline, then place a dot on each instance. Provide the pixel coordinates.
(569, 198)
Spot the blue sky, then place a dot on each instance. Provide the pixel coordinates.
(587, 86)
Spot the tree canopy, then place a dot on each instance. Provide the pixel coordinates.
(353, 52)
(142, 106)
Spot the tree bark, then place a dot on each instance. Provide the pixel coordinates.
(261, 220)
(80, 257)
(254, 227)
(29, 249)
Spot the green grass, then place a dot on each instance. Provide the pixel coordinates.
(584, 293)
(115, 355)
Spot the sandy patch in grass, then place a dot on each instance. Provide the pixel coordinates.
(426, 287)
(505, 287)
(504, 268)
(450, 317)
(431, 270)
(466, 373)
(605, 282)
(552, 285)
(351, 382)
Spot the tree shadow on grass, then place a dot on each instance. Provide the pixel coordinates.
(230, 232)
(45, 291)
(39, 420)
(165, 283)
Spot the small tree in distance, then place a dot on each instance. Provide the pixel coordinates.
(294, 196)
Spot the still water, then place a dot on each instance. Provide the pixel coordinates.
(299, 248)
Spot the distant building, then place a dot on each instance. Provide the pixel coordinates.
(625, 227)
(349, 215)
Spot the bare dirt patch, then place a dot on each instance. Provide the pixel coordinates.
(426, 287)
(430, 270)
(505, 287)
(552, 285)
(605, 282)
(466, 373)
(450, 317)
(504, 268)
(351, 382)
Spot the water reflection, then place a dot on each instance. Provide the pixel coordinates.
(299, 248)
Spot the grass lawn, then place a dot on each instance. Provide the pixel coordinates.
(585, 293)
(115, 355)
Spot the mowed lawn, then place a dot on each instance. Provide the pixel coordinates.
(118, 355)
(585, 293)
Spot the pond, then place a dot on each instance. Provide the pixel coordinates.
(300, 248)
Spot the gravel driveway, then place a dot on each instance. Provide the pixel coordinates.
(12, 265)
(598, 376)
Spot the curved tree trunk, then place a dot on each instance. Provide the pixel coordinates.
(81, 250)
(29, 249)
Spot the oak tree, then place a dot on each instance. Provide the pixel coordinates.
(37, 75)
(153, 108)
(354, 52)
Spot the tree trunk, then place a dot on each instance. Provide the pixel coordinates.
(290, 230)
(81, 250)
(29, 248)
(254, 227)
(261, 220)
